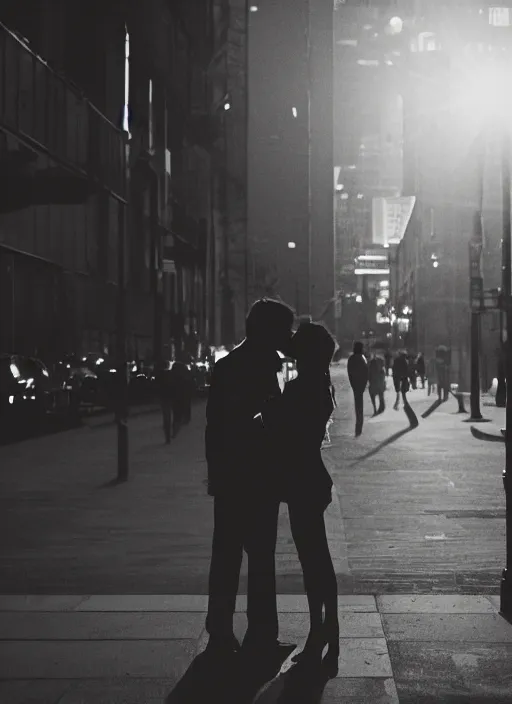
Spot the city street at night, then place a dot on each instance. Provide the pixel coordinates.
(419, 512)
(255, 352)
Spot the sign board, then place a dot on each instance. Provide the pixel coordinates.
(476, 292)
(491, 299)
(390, 217)
(169, 267)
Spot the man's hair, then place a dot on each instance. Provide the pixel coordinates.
(267, 315)
(358, 348)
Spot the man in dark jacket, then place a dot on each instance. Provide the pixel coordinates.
(357, 368)
(246, 500)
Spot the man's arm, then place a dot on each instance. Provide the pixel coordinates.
(214, 419)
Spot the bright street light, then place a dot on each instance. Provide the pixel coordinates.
(396, 24)
(291, 245)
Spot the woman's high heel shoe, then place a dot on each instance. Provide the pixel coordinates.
(330, 661)
(311, 655)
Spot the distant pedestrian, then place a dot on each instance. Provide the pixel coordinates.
(420, 368)
(411, 371)
(181, 389)
(377, 383)
(401, 383)
(388, 359)
(164, 391)
(442, 372)
(431, 375)
(357, 368)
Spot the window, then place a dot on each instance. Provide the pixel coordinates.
(150, 117)
(500, 16)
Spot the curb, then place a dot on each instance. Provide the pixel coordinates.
(490, 437)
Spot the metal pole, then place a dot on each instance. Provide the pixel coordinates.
(309, 248)
(475, 367)
(122, 400)
(506, 581)
(246, 252)
(476, 277)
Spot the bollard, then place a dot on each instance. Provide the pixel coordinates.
(460, 400)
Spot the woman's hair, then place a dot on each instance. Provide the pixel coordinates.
(313, 346)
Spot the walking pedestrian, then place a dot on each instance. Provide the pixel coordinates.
(357, 368)
(443, 372)
(377, 383)
(164, 390)
(400, 377)
(420, 368)
(431, 375)
(388, 358)
(181, 390)
(245, 496)
(411, 371)
(401, 383)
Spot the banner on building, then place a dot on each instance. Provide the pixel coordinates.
(390, 217)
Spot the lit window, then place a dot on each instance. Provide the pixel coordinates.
(500, 16)
(126, 125)
(368, 62)
(150, 116)
(253, 8)
(291, 245)
(294, 112)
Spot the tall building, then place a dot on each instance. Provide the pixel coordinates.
(98, 115)
(368, 139)
(447, 167)
(290, 168)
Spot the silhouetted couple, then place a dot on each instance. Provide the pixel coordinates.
(263, 447)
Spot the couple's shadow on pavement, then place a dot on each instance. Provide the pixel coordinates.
(242, 682)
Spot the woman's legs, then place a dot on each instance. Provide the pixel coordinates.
(308, 531)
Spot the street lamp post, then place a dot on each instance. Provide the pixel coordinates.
(506, 298)
(122, 372)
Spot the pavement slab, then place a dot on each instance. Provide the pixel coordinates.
(341, 690)
(427, 603)
(101, 626)
(29, 691)
(452, 672)
(94, 659)
(467, 628)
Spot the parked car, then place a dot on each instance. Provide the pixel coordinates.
(29, 395)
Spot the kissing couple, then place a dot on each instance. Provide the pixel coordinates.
(262, 448)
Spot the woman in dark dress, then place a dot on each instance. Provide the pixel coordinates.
(297, 423)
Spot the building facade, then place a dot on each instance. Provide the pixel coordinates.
(452, 167)
(104, 107)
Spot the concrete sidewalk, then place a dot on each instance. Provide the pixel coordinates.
(129, 649)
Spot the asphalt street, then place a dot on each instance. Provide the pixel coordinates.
(420, 511)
